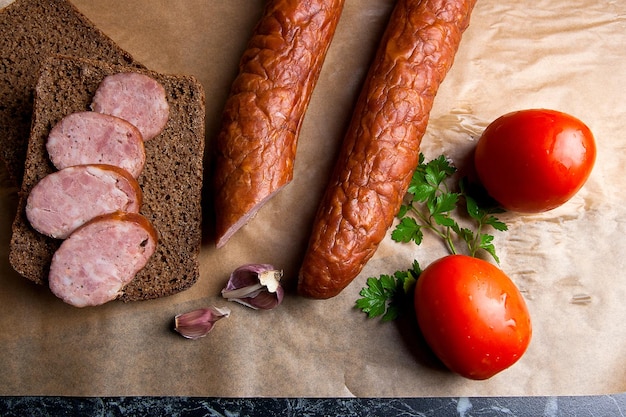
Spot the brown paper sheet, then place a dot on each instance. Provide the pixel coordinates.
(561, 54)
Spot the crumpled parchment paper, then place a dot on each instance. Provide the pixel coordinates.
(567, 55)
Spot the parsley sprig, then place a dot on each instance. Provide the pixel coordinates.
(431, 205)
(384, 296)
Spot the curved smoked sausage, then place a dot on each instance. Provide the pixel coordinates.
(261, 120)
(381, 148)
(94, 264)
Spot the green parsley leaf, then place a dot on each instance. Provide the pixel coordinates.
(422, 191)
(403, 211)
(438, 170)
(374, 297)
(496, 224)
(445, 203)
(384, 296)
(408, 230)
(472, 208)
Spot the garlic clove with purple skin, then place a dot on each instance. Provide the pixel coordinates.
(198, 323)
(256, 286)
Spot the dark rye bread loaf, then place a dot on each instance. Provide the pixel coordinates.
(171, 180)
(30, 31)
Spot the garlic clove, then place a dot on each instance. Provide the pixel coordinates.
(271, 279)
(256, 286)
(198, 323)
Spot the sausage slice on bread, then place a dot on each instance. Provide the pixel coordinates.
(67, 85)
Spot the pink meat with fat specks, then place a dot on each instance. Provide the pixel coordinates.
(93, 265)
(96, 138)
(66, 199)
(134, 97)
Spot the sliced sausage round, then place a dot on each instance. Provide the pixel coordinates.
(93, 265)
(96, 138)
(135, 97)
(66, 199)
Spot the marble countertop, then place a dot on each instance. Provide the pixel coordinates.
(605, 405)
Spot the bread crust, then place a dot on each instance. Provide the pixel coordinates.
(381, 148)
(256, 146)
(173, 158)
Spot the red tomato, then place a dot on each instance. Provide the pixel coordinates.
(472, 316)
(532, 161)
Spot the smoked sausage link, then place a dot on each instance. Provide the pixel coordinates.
(262, 117)
(381, 148)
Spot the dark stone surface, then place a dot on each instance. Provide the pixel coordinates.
(605, 405)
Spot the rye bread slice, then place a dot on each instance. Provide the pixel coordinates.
(30, 31)
(171, 180)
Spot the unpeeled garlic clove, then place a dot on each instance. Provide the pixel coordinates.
(198, 323)
(256, 286)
